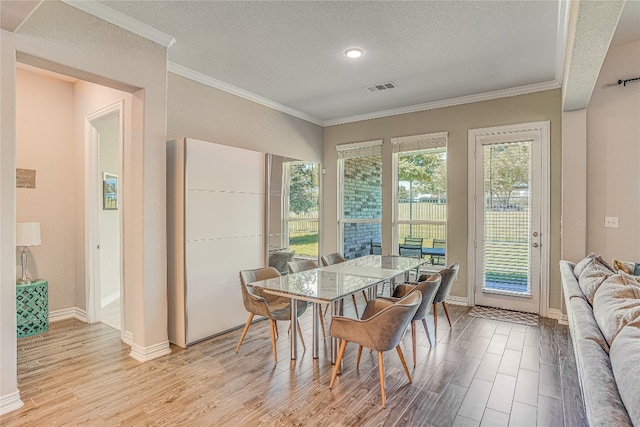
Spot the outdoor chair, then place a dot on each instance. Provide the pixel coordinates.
(376, 248)
(381, 328)
(435, 259)
(270, 306)
(428, 288)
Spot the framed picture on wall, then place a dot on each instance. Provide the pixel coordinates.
(109, 191)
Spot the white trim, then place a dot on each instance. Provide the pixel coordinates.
(452, 299)
(10, 402)
(127, 337)
(144, 354)
(108, 14)
(110, 298)
(242, 93)
(554, 313)
(561, 38)
(68, 313)
(545, 230)
(469, 99)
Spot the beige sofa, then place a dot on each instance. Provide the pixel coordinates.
(603, 309)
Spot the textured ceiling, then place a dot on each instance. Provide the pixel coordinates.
(290, 54)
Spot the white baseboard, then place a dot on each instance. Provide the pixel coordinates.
(144, 354)
(10, 402)
(451, 299)
(68, 313)
(109, 299)
(554, 313)
(127, 338)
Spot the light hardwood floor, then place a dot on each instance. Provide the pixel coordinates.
(481, 372)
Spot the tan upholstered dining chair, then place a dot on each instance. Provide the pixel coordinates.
(381, 328)
(305, 265)
(428, 288)
(270, 306)
(443, 292)
(336, 258)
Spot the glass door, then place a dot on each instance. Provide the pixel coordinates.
(508, 256)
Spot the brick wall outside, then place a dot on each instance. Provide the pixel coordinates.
(362, 200)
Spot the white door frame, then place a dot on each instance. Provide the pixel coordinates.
(544, 129)
(92, 201)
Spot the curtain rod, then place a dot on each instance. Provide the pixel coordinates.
(624, 82)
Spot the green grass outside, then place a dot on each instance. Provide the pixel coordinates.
(304, 243)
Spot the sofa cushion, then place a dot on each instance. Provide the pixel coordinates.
(603, 405)
(584, 325)
(625, 362)
(616, 304)
(592, 276)
(570, 285)
(577, 270)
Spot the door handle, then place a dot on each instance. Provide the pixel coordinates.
(535, 244)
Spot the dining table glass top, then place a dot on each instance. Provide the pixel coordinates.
(336, 281)
(316, 285)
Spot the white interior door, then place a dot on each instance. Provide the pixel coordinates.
(510, 210)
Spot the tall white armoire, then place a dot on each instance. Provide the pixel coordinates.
(215, 223)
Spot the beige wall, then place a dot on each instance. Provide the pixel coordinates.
(208, 114)
(45, 142)
(63, 39)
(456, 121)
(613, 156)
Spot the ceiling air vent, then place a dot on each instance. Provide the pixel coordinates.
(381, 86)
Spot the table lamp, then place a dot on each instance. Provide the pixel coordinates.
(27, 234)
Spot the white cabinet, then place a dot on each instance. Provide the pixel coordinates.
(215, 221)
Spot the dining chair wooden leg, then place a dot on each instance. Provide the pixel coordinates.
(426, 329)
(276, 328)
(244, 331)
(435, 319)
(355, 305)
(336, 367)
(322, 322)
(364, 294)
(326, 309)
(301, 338)
(273, 325)
(404, 363)
(359, 355)
(446, 311)
(413, 341)
(381, 370)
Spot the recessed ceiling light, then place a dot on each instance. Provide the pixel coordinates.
(354, 52)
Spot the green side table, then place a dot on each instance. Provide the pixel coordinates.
(32, 308)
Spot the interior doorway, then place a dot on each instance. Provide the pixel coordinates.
(103, 178)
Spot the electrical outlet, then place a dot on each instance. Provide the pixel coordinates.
(611, 221)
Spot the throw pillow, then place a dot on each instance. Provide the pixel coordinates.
(577, 270)
(625, 266)
(616, 304)
(592, 276)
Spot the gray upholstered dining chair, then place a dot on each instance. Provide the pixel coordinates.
(443, 292)
(428, 288)
(304, 265)
(279, 260)
(336, 258)
(272, 307)
(381, 328)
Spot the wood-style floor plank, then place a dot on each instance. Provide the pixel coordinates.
(478, 372)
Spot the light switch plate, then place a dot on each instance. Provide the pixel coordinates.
(611, 221)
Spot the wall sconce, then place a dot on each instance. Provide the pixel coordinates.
(27, 234)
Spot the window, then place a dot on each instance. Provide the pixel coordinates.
(420, 198)
(301, 209)
(360, 201)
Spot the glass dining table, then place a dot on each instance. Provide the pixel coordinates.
(331, 284)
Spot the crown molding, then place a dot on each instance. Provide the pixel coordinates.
(234, 90)
(486, 96)
(108, 14)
